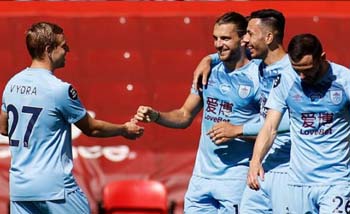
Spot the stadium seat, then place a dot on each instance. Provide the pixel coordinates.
(135, 197)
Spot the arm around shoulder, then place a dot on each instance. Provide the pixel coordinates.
(202, 72)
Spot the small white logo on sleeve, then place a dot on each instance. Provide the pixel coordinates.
(73, 94)
(277, 81)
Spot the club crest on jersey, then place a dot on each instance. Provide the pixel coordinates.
(243, 91)
(336, 96)
(225, 88)
(277, 81)
(73, 94)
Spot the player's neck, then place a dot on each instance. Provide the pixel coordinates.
(274, 55)
(43, 64)
(323, 70)
(237, 63)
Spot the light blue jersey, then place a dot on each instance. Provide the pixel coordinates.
(277, 159)
(220, 171)
(40, 108)
(231, 97)
(272, 197)
(320, 126)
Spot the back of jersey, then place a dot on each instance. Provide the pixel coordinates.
(39, 135)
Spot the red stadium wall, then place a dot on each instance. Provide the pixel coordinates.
(124, 54)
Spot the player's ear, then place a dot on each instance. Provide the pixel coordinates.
(49, 49)
(269, 38)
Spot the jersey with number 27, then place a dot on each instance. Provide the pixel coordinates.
(40, 109)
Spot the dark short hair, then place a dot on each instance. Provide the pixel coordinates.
(234, 18)
(304, 44)
(273, 19)
(40, 35)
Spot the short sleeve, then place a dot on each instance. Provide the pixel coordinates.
(279, 92)
(69, 104)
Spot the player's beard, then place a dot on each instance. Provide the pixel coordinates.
(230, 55)
(61, 62)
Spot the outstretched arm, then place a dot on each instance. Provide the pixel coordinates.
(178, 118)
(262, 145)
(98, 128)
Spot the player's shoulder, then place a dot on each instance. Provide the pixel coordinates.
(57, 84)
(288, 78)
(256, 62)
(18, 76)
(341, 74)
(253, 66)
(217, 70)
(288, 71)
(68, 90)
(338, 69)
(16, 80)
(63, 89)
(251, 70)
(218, 67)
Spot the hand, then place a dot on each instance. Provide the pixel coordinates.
(223, 132)
(146, 114)
(132, 131)
(255, 170)
(201, 73)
